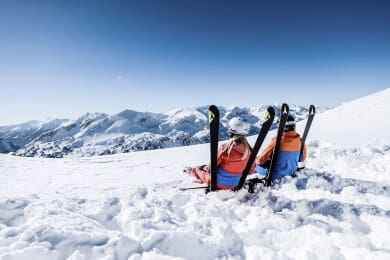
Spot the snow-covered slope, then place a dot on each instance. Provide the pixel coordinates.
(100, 134)
(128, 206)
(359, 122)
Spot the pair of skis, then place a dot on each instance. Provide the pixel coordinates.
(214, 130)
(267, 181)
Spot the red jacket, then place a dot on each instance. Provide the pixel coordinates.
(230, 166)
(234, 163)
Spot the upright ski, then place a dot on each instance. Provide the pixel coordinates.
(312, 111)
(267, 123)
(282, 122)
(213, 114)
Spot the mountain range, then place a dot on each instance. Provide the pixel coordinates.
(127, 131)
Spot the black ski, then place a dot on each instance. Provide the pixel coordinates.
(312, 111)
(282, 122)
(213, 114)
(267, 123)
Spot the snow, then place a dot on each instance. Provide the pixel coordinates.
(128, 206)
(367, 121)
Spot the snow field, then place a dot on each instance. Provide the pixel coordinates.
(105, 210)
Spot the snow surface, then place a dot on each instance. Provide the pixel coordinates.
(128, 206)
(360, 122)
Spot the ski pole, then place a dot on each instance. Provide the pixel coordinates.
(193, 188)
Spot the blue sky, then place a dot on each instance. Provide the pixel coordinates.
(65, 58)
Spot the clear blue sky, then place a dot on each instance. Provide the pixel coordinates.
(65, 58)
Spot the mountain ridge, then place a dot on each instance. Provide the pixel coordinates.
(126, 131)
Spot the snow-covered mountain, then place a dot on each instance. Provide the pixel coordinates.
(100, 134)
(128, 206)
(6, 146)
(19, 135)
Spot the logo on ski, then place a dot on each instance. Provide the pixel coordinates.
(266, 116)
(211, 116)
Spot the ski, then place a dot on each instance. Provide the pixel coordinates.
(267, 123)
(213, 114)
(312, 111)
(282, 122)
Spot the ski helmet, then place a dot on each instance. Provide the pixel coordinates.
(290, 123)
(238, 126)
